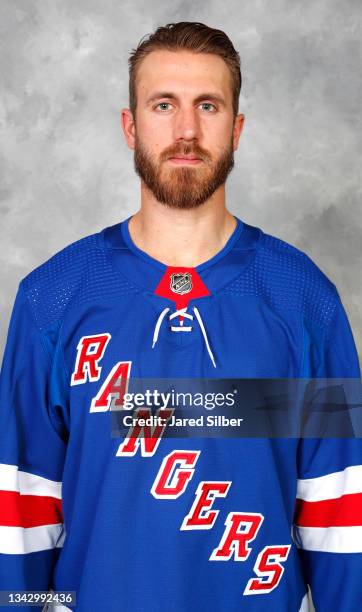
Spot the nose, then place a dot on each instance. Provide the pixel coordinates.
(186, 125)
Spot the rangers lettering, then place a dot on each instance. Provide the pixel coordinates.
(234, 541)
(171, 481)
(111, 393)
(90, 350)
(264, 568)
(151, 435)
(198, 517)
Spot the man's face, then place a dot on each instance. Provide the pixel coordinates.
(184, 108)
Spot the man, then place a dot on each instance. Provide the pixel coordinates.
(181, 289)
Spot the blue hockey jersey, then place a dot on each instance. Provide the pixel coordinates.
(162, 524)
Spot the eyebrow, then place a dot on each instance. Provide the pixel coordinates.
(168, 94)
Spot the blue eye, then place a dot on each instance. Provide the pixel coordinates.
(163, 104)
(208, 104)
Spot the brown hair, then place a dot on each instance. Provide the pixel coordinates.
(193, 36)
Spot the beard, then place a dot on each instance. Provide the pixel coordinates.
(183, 187)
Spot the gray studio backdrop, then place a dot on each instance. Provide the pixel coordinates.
(66, 172)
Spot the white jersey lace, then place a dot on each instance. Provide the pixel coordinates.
(182, 327)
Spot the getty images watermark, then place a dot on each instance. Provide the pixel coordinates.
(242, 407)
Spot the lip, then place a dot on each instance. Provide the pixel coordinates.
(185, 160)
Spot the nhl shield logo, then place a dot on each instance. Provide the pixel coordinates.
(181, 282)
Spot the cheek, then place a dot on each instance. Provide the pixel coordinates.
(219, 132)
(153, 137)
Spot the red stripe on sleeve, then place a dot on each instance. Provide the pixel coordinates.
(344, 511)
(29, 510)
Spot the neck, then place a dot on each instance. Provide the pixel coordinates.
(182, 237)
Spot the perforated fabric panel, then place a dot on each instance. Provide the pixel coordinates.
(78, 273)
(287, 278)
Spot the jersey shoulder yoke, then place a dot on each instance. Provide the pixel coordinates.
(79, 272)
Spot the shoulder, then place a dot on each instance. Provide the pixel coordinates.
(290, 256)
(292, 262)
(79, 272)
(296, 281)
(288, 279)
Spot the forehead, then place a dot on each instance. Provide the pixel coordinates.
(183, 72)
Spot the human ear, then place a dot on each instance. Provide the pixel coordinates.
(238, 126)
(129, 127)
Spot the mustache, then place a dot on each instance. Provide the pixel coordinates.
(185, 150)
